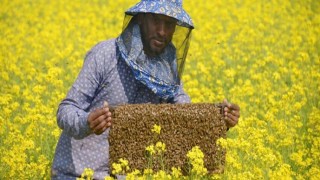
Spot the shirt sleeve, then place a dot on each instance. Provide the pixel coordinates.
(74, 110)
(181, 97)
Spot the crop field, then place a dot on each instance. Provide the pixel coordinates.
(261, 54)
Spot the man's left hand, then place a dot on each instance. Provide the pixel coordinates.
(231, 113)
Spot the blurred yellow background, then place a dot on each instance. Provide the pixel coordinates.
(262, 55)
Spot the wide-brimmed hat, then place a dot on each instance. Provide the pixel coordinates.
(171, 8)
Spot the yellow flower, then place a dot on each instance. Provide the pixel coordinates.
(87, 174)
(156, 129)
(108, 178)
(147, 171)
(195, 156)
(150, 149)
(116, 168)
(160, 147)
(120, 168)
(124, 164)
(161, 175)
(133, 175)
(176, 172)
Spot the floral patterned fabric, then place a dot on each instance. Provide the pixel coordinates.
(158, 73)
(172, 8)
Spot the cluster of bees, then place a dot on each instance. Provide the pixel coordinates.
(183, 126)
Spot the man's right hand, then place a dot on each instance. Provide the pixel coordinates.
(100, 119)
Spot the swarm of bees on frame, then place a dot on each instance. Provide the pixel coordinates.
(183, 126)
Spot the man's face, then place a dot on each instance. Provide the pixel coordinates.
(156, 32)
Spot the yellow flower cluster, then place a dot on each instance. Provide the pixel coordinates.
(159, 148)
(263, 55)
(176, 173)
(87, 174)
(156, 129)
(134, 175)
(120, 168)
(150, 149)
(196, 159)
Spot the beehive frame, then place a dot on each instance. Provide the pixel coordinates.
(183, 126)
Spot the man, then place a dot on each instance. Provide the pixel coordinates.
(143, 65)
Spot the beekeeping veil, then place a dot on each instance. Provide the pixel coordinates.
(161, 74)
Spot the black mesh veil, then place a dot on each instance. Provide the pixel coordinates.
(181, 41)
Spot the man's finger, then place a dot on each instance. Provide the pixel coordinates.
(105, 104)
(108, 119)
(99, 120)
(95, 114)
(234, 107)
(100, 127)
(233, 118)
(109, 114)
(226, 103)
(235, 113)
(230, 121)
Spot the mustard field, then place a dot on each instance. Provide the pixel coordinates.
(262, 55)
